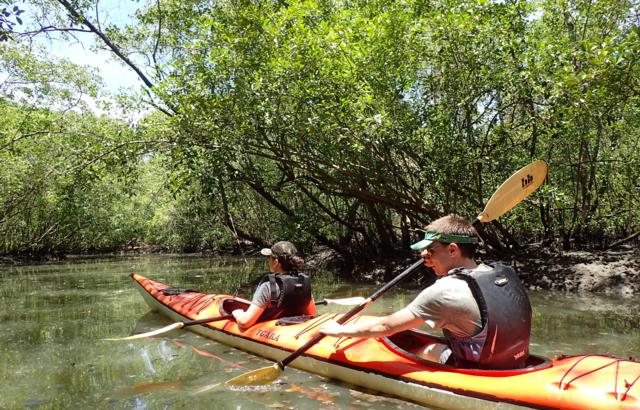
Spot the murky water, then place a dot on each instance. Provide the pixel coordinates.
(54, 316)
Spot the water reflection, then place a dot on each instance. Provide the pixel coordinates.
(54, 317)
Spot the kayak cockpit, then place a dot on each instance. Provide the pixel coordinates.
(229, 304)
(408, 342)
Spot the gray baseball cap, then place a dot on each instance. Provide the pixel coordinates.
(280, 249)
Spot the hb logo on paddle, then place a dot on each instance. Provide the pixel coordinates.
(526, 181)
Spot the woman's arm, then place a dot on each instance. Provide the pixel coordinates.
(261, 297)
(246, 318)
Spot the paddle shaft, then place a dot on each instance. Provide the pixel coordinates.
(180, 325)
(226, 317)
(350, 314)
(285, 362)
(352, 301)
(357, 309)
(207, 320)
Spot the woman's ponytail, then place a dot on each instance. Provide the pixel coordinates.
(291, 263)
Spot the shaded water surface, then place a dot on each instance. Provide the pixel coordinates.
(54, 316)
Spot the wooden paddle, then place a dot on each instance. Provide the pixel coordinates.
(508, 195)
(179, 325)
(356, 300)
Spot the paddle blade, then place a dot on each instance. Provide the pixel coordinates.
(356, 300)
(165, 329)
(514, 190)
(265, 375)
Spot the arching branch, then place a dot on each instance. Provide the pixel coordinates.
(115, 49)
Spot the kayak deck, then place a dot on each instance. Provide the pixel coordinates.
(387, 364)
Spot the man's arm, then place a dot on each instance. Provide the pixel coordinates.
(381, 326)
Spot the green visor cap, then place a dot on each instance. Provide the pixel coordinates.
(430, 237)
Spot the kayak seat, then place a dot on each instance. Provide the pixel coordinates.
(408, 341)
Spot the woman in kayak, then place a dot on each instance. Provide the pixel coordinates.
(483, 309)
(284, 292)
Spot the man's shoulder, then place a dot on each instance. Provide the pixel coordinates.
(456, 273)
(450, 280)
(446, 284)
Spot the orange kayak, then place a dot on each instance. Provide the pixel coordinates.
(387, 365)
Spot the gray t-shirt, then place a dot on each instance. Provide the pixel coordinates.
(262, 295)
(449, 304)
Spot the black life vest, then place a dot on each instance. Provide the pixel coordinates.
(290, 295)
(503, 342)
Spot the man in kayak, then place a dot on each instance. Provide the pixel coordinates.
(284, 292)
(483, 310)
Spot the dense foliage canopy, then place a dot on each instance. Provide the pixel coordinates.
(348, 124)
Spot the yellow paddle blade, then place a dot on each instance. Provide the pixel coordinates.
(514, 190)
(165, 329)
(265, 375)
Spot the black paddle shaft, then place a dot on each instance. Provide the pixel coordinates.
(350, 314)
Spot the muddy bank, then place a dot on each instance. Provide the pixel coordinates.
(608, 272)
